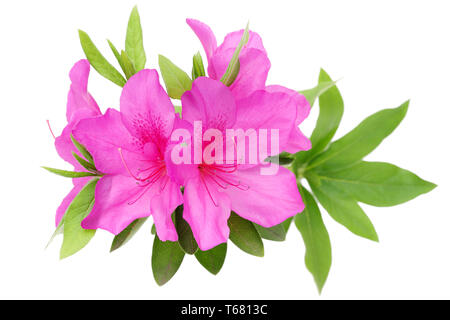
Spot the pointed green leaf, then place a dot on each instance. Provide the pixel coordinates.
(134, 43)
(98, 62)
(177, 81)
(75, 237)
(342, 208)
(282, 159)
(287, 224)
(153, 229)
(70, 174)
(166, 260)
(87, 165)
(275, 233)
(117, 55)
(331, 109)
(59, 230)
(178, 110)
(212, 259)
(244, 235)
(316, 239)
(312, 94)
(185, 235)
(127, 65)
(82, 149)
(122, 238)
(360, 141)
(377, 183)
(234, 65)
(198, 69)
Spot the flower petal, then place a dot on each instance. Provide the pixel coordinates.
(232, 41)
(79, 97)
(270, 111)
(208, 219)
(147, 111)
(118, 202)
(162, 207)
(297, 141)
(211, 102)
(64, 146)
(79, 183)
(205, 35)
(269, 200)
(103, 136)
(253, 72)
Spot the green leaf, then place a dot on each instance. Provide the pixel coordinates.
(153, 229)
(212, 259)
(312, 94)
(198, 69)
(178, 110)
(316, 239)
(87, 165)
(275, 233)
(134, 43)
(117, 55)
(377, 183)
(282, 159)
(99, 62)
(342, 208)
(122, 238)
(82, 149)
(331, 110)
(166, 260)
(244, 235)
(127, 65)
(177, 81)
(360, 141)
(75, 237)
(70, 174)
(59, 230)
(185, 235)
(287, 224)
(234, 66)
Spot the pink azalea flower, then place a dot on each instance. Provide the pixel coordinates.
(213, 190)
(80, 105)
(254, 68)
(128, 147)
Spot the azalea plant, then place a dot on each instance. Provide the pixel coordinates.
(217, 157)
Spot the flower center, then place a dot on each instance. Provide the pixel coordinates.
(222, 176)
(147, 177)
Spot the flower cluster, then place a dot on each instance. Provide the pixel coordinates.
(224, 165)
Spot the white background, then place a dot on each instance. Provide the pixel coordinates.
(385, 52)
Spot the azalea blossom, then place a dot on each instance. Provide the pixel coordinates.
(254, 68)
(129, 147)
(80, 105)
(213, 190)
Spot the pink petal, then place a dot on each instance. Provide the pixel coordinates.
(232, 41)
(79, 183)
(269, 200)
(211, 102)
(146, 109)
(265, 110)
(103, 136)
(205, 35)
(253, 72)
(64, 146)
(208, 220)
(79, 97)
(162, 207)
(118, 202)
(297, 141)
